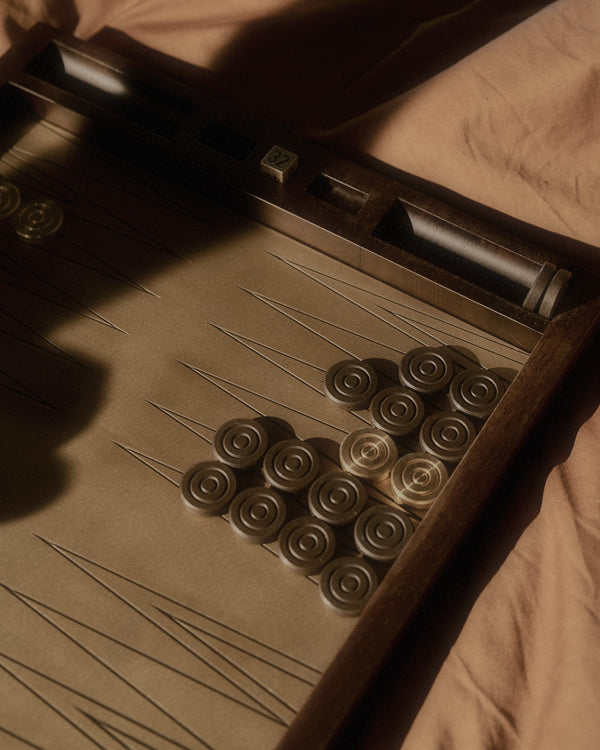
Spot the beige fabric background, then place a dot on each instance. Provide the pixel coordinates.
(499, 103)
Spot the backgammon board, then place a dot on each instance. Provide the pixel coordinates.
(179, 288)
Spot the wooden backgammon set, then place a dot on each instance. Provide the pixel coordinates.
(249, 392)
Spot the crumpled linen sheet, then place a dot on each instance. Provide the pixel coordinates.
(498, 102)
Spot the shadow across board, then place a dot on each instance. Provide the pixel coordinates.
(51, 392)
(281, 66)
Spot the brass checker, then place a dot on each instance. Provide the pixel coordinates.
(37, 221)
(368, 453)
(208, 487)
(347, 584)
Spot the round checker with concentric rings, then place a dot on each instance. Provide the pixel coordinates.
(240, 443)
(351, 384)
(291, 465)
(257, 514)
(306, 544)
(337, 497)
(347, 584)
(381, 532)
(417, 479)
(368, 453)
(447, 435)
(476, 392)
(397, 411)
(426, 370)
(38, 220)
(10, 199)
(208, 487)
